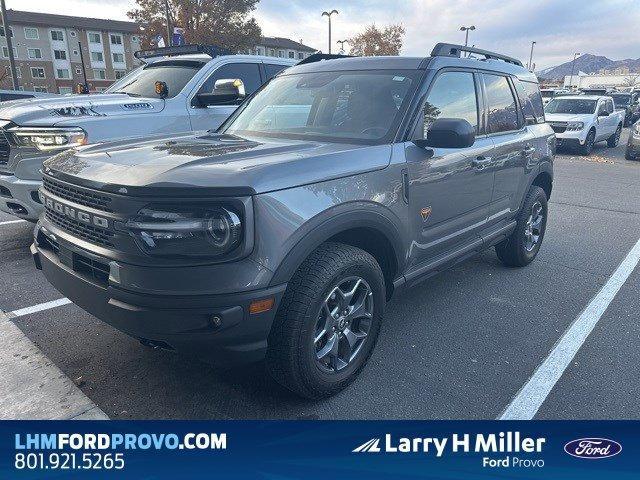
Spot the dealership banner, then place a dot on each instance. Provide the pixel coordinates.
(320, 449)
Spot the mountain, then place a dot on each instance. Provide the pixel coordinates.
(588, 63)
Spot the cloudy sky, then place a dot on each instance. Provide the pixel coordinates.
(560, 27)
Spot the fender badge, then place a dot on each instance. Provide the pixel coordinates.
(425, 213)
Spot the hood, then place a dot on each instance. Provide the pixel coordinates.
(568, 117)
(61, 109)
(212, 164)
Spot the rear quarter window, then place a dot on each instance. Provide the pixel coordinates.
(531, 101)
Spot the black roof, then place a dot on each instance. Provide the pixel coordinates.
(54, 20)
(285, 43)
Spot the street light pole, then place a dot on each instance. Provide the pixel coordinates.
(466, 33)
(530, 66)
(328, 15)
(7, 35)
(342, 42)
(573, 63)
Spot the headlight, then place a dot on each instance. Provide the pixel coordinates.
(575, 126)
(48, 139)
(186, 231)
(636, 128)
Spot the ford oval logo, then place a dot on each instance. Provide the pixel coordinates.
(592, 448)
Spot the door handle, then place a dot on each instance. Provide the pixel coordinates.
(481, 162)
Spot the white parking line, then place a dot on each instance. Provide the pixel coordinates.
(32, 387)
(533, 394)
(9, 222)
(38, 308)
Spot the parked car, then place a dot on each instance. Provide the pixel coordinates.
(626, 103)
(283, 234)
(547, 94)
(579, 122)
(171, 93)
(9, 95)
(633, 144)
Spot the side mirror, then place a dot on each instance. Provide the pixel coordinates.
(603, 114)
(225, 92)
(449, 133)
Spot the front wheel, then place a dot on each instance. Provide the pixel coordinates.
(587, 148)
(614, 139)
(522, 246)
(328, 321)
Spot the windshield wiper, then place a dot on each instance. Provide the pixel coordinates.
(128, 93)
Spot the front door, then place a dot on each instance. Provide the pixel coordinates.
(449, 190)
(211, 117)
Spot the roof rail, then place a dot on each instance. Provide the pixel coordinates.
(452, 50)
(317, 57)
(210, 50)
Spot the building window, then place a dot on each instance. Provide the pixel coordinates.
(31, 33)
(5, 52)
(97, 57)
(57, 35)
(300, 56)
(292, 54)
(78, 71)
(280, 53)
(62, 73)
(272, 53)
(94, 37)
(37, 72)
(60, 54)
(115, 39)
(118, 57)
(99, 74)
(65, 90)
(34, 53)
(2, 31)
(40, 89)
(72, 33)
(119, 74)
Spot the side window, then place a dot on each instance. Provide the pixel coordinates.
(531, 101)
(249, 73)
(602, 107)
(273, 70)
(453, 95)
(610, 106)
(503, 114)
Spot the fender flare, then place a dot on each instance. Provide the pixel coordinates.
(331, 222)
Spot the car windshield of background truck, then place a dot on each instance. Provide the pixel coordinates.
(175, 74)
(360, 106)
(571, 105)
(621, 100)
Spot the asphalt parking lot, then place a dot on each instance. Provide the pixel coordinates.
(460, 345)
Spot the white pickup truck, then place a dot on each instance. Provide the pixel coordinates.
(580, 121)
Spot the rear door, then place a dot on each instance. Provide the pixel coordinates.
(514, 146)
(211, 117)
(449, 189)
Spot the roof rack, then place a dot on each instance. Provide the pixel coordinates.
(452, 50)
(317, 57)
(210, 50)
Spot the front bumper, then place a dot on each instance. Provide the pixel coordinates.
(184, 323)
(20, 197)
(633, 145)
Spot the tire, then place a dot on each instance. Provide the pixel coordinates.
(614, 139)
(293, 352)
(516, 250)
(628, 155)
(587, 148)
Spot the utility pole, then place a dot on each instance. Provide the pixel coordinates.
(166, 12)
(530, 65)
(466, 33)
(341, 43)
(328, 15)
(7, 35)
(573, 63)
(84, 69)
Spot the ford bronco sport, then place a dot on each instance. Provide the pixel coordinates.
(282, 234)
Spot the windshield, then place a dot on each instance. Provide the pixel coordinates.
(360, 106)
(571, 105)
(142, 82)
(621, 100)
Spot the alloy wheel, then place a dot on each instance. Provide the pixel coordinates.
(533, 227)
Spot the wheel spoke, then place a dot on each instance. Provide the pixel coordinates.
(330, 348)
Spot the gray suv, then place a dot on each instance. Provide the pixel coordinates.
(282, 234)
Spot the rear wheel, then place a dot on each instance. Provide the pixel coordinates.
(587, 148)
(628, 155)
(614, 139)
(523, 244)
(328, 322)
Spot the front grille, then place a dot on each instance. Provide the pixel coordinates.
(87, 232)
(78, 195)
(5, 148)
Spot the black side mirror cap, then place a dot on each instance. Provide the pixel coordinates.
(448, 133)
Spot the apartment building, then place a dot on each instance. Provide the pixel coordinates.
(282, 48)
(47, 49)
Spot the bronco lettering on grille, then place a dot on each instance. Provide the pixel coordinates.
(76, 214)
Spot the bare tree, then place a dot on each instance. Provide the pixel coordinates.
(374, 41)
(631, 81)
